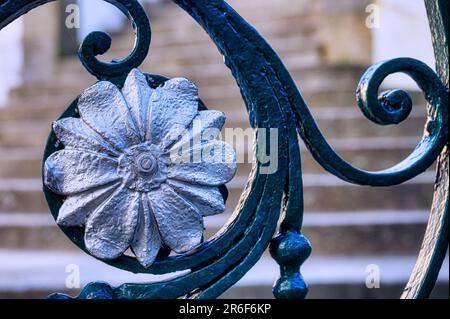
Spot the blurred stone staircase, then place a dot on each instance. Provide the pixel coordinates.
(350, 227)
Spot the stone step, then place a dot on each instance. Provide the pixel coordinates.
(186, 59)
(218, 92)
(340, 277)
(366, 153)
(188, 42)
(217, 77)
(214, 80)
(322, 87)
(35, 274)
(264, 292)
(26, 194)
(23, 134)
(324, 192)
(280, 22)
(336, 233)
(352, 233)
(259, 14)
(40, 108)
(371, 160)
(334, 122)
(350, 291)
(50, 107)
(21, 162)
(225, 98)
(302, 28)
(186, 49)
(347, 122)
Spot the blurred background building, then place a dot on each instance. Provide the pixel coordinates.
(326, 44)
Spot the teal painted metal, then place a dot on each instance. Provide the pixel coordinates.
(273, 101)
(435, 244)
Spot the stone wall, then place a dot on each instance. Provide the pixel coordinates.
(11, 58)
(343, 34)
(40, 42)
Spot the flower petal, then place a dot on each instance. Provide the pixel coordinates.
(212, 164)
(205, 127)
(179, 223)
(174, 106)
(111, 227)
(69, 172)
(147, 240)
(208, 200)
(76, 209)
(137, 93)
(104, 109)
(75, 134)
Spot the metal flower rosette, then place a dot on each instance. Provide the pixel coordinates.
(132, 171)
(125, 168)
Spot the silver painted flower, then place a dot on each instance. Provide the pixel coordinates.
(128, 169)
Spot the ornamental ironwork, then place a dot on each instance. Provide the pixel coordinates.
(111, 183)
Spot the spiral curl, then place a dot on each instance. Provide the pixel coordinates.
(391, 107)
(98, 43)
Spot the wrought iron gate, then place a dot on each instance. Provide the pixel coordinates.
(273, 101)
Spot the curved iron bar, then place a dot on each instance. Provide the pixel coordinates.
(273, 101)
(436, 239)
